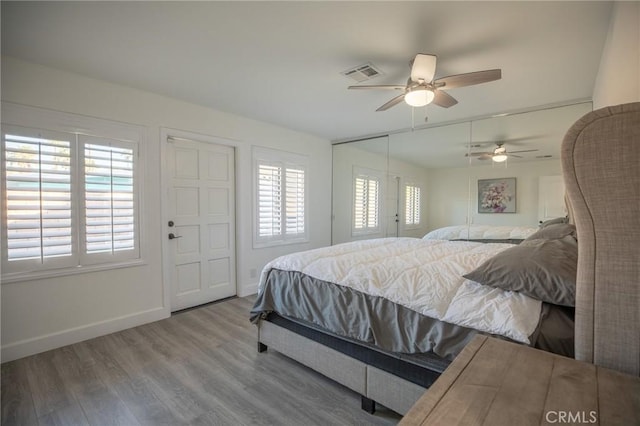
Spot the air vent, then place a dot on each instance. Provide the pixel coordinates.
(362, 72)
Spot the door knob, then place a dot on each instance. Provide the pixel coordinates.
(172, 236)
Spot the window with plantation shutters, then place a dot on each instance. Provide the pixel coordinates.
(280, 198)
(294, 201)
(366, 206)
(269, 200)
(109, 198)
(411, 205)
(38, 198)
(69, 201)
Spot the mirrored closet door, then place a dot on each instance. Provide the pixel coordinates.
(411, 182)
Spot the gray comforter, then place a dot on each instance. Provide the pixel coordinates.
(358, 316)
(378, 322)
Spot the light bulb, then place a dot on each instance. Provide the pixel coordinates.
(419, 97)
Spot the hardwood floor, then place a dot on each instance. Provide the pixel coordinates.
(199, 367)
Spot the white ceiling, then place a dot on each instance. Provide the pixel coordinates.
(280, 62)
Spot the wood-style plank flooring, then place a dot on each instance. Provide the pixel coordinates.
(199, 367)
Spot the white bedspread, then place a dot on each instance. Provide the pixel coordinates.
(480, 232)
(422, 275)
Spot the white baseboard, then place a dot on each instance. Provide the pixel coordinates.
(47, 342)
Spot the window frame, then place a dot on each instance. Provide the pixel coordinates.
(285, 161)
(25, 120)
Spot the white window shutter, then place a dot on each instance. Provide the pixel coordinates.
(373, 205)
(366, 209)
(295, 195)
(38, 194)
(109, 198)
(269, 200)
(412, 205)
(360, 203)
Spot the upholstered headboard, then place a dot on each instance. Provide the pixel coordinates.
(601, 168)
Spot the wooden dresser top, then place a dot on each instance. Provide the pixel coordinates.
(494, 382)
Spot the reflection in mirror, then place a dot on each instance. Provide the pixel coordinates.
(360, 175)
(419, 152)
(532, 141)
(410, 183)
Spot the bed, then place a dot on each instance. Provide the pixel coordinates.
(483, 233)
(385, 317)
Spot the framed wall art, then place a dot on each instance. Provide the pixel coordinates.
(497, 195)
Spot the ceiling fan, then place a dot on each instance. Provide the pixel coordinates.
(499, 154)
(421, 88)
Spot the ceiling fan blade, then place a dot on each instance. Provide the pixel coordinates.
(468, 79)
(512, 155)
(393, 102)
(380, 86)
(480, 155)
(443, 99)
(423, 68)
(525, 150)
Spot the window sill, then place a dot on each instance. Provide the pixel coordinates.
(15, 277)
(267, 244)
(366, 233)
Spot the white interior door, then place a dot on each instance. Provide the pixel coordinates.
(201, 228)
(551, 202)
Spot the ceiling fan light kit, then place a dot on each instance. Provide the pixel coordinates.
(499, 154)
(419, 97)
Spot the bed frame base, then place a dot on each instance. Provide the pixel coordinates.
(374, 385)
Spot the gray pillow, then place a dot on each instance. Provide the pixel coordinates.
(542, 269)
(554, 231)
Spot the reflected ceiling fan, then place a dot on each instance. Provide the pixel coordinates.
(499, 154)
(421, 88)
